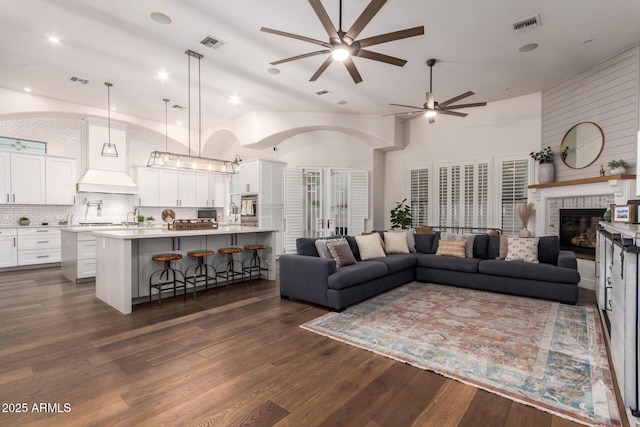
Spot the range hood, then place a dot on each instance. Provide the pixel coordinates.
(106, 174)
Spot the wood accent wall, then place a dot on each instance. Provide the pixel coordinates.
(606, 94)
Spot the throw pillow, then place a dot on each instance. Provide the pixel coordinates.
(370, 246)
(410, 234)
(523, 249)
(341, 252)
(424, 230)
(321, 247)
(395, 242)
(504, 246)
(469, 238)
(455, 248)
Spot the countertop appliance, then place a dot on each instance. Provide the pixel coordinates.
(249, 210)
(208, 213)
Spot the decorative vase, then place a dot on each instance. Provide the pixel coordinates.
(25, 222)
(616, 171)
(524, 232)
(546, 173)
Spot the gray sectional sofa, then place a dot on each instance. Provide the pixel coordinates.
(308, 277)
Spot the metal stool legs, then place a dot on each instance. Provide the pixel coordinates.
(200, 272)
(167, 276)
(256, 263)
(229, 270)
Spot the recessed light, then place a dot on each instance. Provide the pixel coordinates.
(179, 123)
(160, 18)
(234, 99)
(32, 67)
(27, 89)
(54, 39)
(587, 41)
(163, 75)
(341, 102)
(273, 70)
(528, 47)
(113, 108)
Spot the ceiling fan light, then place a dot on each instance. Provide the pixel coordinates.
(340, 53)
(430, 113)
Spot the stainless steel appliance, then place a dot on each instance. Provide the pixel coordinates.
(249, 210)
(208, 213)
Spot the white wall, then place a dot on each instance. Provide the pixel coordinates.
(501, 129)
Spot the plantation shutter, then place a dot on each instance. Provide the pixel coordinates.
(482, 195)
(514, 190)
(420, 197)
(293, 214)
(443, 195)
(359, 201)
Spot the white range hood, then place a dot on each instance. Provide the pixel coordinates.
(106, 174)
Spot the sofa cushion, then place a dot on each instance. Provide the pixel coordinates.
(357, 273)
(469, 238)
(396, 242)
(523, 249)
(354, 247)
(548, 249)
(467, 265)
(321, 246)
(481, 246)
(341, 252)
(455, 248)
(527, 270)
(397, 262)
(370, 246)
(424, 242)
(306, 246)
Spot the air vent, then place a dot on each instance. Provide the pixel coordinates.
(212, 42)
(78, 80)
(178, 107)
(322, 92)
(526, 24)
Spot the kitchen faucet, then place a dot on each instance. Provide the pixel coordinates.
(135, 214)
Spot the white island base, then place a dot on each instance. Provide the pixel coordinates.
(124, 265)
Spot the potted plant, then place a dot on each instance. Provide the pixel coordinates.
(546, 170)
(401, 216)
(617, 167)
(140, 219)
(150, 220)
(24, 220)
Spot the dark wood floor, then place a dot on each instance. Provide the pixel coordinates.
(231, 358)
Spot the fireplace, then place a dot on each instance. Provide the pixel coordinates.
(578, 229)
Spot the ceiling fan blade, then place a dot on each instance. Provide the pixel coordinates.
(305, 55)
(453, 113)
(408, 106)
(365, 17)
(362, 53)
(404, 113)
(476, 104)
(430, 101)
(323, 67)
(351, 67)
(456, 99)
(295, 36)
(388, 37)
(324, 19)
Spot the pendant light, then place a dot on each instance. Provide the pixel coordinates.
(181, 161)
(109, 149)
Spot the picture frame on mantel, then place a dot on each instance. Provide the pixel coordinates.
(623, 213)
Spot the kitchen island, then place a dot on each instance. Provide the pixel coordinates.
(124, 265)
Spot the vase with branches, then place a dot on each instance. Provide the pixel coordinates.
(525, 212)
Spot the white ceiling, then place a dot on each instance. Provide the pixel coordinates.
(477, 50)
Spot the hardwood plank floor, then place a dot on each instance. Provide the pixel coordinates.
(235, 357)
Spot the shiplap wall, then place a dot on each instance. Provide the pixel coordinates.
(607, 95)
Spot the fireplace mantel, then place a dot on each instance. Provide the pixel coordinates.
(621, 186)
(584, 181)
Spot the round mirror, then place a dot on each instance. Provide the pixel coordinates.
(582, 145)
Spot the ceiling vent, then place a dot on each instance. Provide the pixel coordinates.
(322, 92)
(527, 24)
(78, 80)
(212, 42)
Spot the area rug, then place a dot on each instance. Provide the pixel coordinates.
(544, 354)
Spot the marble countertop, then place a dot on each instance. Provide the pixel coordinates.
(32, 225)
(151, 233)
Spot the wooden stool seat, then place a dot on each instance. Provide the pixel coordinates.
(166, 257)
(255, 263)
(254, 247)
(229, 250)
(201, 253)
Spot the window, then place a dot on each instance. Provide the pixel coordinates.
(514, 190)
(420, 197)
(463, 194)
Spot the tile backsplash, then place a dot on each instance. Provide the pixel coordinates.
(67, 137)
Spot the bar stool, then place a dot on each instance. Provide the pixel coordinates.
(198, 273)
(169, 274)
(255, 262)
(230, 262)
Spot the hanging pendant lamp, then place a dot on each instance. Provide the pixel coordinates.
(182, 161)
(109, 149)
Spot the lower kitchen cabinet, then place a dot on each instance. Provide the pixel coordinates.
(8, 247)
(78, 256)
(38, 245)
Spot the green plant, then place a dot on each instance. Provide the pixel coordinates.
(140, 218)
(150, 218)
(24, 218)
(613, 164)
(544, 156)
(401, 215)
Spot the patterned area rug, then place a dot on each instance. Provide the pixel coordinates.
(547, 355)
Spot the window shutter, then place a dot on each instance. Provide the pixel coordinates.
(443, 195)
(514, 190)
(359, 201)
(292, 208)
(420, 197)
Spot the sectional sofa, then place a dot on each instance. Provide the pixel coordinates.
(308, 277)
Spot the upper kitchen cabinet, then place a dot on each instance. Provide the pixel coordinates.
(147, 182)
(22, 180)
(264, 177)
(218, 189)
(60, 181)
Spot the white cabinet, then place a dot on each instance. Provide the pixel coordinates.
(219, 189)
(250, 176)
(38, 245)
(60, 187)
(187, 189)
(8, 248)
(168, 188)
(78, 255)
(22, 179)
(147, 181)
(202, 189)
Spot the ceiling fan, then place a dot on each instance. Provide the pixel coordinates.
(343, 46)
(432, 108)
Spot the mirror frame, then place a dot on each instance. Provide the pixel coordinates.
(564, 138)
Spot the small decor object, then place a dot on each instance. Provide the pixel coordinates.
(168, 215)
(525, 212)
(401, 216)
(140, 219)
(607, 215)
(601, 170)
(24, 221)
(546, 170)
(617, 167)
(149, 220)
(623, 213)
